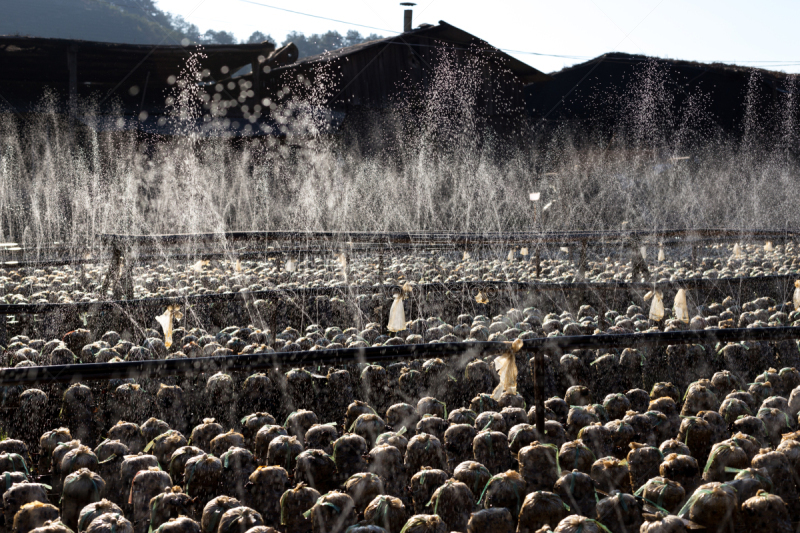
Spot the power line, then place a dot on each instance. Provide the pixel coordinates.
(317, 16)
(542, 54)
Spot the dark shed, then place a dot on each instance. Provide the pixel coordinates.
(377, 73)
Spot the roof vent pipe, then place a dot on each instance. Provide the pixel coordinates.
(407, 15)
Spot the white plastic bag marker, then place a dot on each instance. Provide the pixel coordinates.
(657, 307)
(737, 250)
(564, 249)
(523, 251)
(397, 315)
(680, 308)
(238, 266)
(661, 255)
(643, 251)
(768, 247)
(506, 366)
(407, 289)
(466, 256)
(173, 311)
(291, 265)
(198, 267)
(796, 296)
(510, 255)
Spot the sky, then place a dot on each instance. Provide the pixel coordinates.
(761, 34)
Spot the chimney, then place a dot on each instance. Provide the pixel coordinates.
(407, 15)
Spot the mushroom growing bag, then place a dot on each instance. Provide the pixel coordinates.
(657, 306)
(796, 296)
(680, 308)
(173, 311)
(397, 314)
(506, 366)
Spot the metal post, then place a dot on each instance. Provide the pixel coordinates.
(538, 390)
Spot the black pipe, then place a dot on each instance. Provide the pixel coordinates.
(453, 287)
(401, 241)
(343, 356)
(433, 237)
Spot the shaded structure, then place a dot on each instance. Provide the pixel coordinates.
(596, 95)
(137, 78)
(239, 87)
(394, 71)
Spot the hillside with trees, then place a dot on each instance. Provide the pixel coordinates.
(140, 22)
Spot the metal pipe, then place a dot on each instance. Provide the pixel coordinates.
(402, 241)
(460, 238)
(343, 356)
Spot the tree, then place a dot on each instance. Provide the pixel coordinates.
(315, 43)
(258, 37)
(218, 37)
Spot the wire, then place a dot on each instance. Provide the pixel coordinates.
(398, 32)
(317, 16)
(627, 36)
(542, 54)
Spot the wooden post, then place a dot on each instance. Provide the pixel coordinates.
(538, 390)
